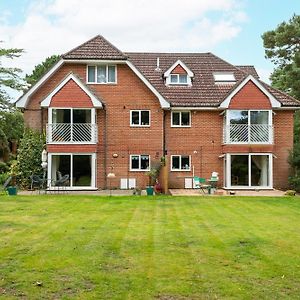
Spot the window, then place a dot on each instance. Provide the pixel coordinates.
(140, 118)
(139, 162)
(181, 119)
(178, 79)
(224, 77)
(249, 126)
(180, 163)
(101, 74)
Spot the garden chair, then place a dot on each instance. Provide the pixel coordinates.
(200, 183)
(61, 183)
(37, 181)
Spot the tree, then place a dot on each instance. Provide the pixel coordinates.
(282, 47)
(41, 69)
(29, 156)
(9, 77)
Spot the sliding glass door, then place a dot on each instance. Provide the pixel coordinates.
(79, 168)
(249, 170)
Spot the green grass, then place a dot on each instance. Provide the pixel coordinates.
(90, 247)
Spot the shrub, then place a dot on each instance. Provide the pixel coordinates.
(29, 157)
(3, 177)
(3, 167)
(294, 183)
(290, 193)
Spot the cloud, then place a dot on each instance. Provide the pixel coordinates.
(55, 26)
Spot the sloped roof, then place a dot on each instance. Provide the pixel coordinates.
(203, 92)
(249, 70)
(95, 48)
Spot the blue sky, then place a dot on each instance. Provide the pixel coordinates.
(231, 29)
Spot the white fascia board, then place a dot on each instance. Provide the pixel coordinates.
(96, 103)
(191, 108)
(23, 100)
(179, 62)
(95, 61)
(274, 102)
(163, 102)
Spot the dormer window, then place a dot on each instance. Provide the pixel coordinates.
(179, 79)
(179, 74)
(224, 77)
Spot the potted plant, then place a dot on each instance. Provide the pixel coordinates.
(12, 188)
(152, 175)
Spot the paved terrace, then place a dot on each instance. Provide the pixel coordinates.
(174, 192)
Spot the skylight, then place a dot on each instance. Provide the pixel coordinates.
(224, 77)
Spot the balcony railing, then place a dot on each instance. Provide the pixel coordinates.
(248, 134)
(72, 133)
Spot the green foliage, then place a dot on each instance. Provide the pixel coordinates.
(294, 183)
(282, 47)
(3, 167)
(12, 124)
(29, 156)
(41, 69)
(9, 77)
(3, 177)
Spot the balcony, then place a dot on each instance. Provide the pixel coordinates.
(66, 133)
(248, 134)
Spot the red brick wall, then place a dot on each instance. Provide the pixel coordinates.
(203, 141)
(283, 142)
(250, 97)
(129, 93)
(71, 95)
(178, 70)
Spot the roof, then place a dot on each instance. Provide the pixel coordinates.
(203, 92)
(95, 48)
(249, 70)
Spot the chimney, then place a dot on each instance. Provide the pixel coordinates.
(157, 65)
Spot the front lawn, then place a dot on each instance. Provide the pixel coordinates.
(168, 248)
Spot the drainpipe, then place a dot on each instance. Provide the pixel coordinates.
(105, 147)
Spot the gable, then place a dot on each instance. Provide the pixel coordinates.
(250, 97)
(71, 95)
(178, 70)
(250, 93)
(71, 91)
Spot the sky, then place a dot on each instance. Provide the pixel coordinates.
(231, 29)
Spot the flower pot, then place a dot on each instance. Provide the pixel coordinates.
(12, 190)
(149, 190)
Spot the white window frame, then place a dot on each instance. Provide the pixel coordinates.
(169, 82)
(180, 157)
(140, 117)
(96, 66)
(270, 124)
(228, 171)
(139, 169)
(224, 77)
(93, 121)
(180, 118)
(93, 171)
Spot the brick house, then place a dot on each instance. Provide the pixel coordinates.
(108, 111)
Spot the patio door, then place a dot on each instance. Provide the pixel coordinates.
(81, 169)
(249, 170)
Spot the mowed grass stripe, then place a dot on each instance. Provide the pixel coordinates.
(89, 247)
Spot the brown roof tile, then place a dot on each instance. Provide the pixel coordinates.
(96, 48)
(204, 92)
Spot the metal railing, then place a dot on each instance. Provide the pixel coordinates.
(248, 134)
(72, 133)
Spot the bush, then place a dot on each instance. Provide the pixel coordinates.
(290, 193)
(3, 167)
(29, 157)
(294, 183)
(3, 177)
